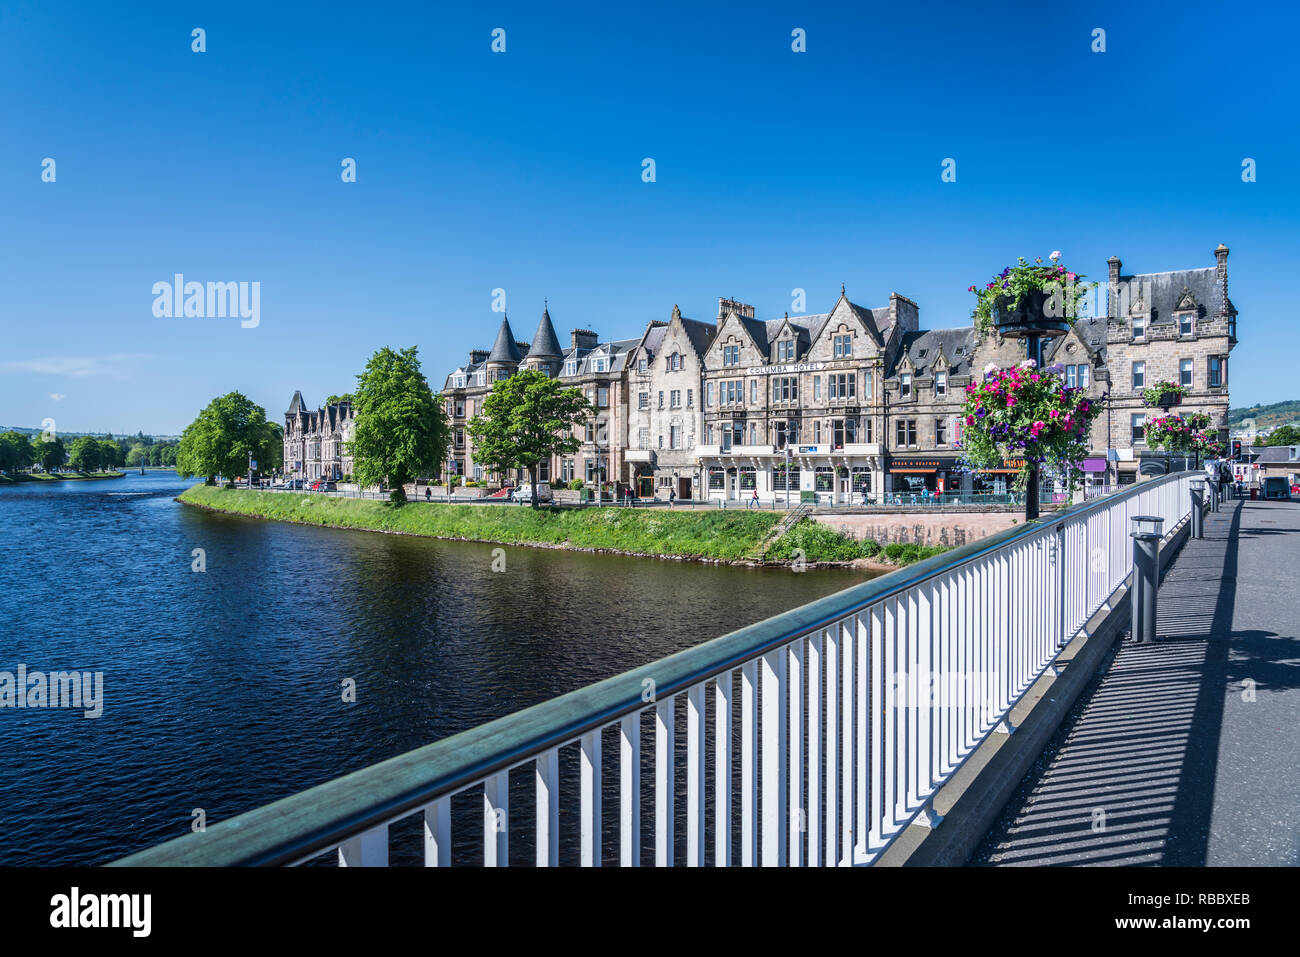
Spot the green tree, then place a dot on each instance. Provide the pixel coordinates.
(220, 440)
(273, 454)
(49, 454)
(345, 397)
(401, 430)
(15, 452)
(134, 456)
(110, 454)
(527, 419)
(1284, 435)
(86, 454)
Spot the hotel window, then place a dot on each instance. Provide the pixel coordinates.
(460, 438)
(940, 431)
(715, 480)
(600, 364)
(843, 385)
(1076, 376)
(1185, 372)
(661, 440)
(868, 384)
(460, 410)
(643, 400)
(731, 355)
(708, 394)
(738, 432)
(661, 398)
(675, 362)
(502, 374)
(747, 478)
(480, 378)
(844, 431)
(458, 382)
(817, 387)
(708, 435)
(824, 478)
(781, 480)
(478, 473)
(1216, 372)
(861, 480)
(868, 430)
(641, 365)
(643, 438)
(753, 392)
(904, 432)
(1138, 427)
(602, 398)
(602, 431)
(690, 398)
(904, 385)
(753, 433)
(941, 383)
(843, 347)
(817, 431)
(543, 471)
(1139, 327)
(674, 436)
(785, 389)
(1232, 327)
(665, 481)
(675, 398)
(785, 350)
(1139, 375)
(1185, 324)
(590, 432)
(571, 367)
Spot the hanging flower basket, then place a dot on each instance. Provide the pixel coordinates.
(1164, 395)
(1030, 299)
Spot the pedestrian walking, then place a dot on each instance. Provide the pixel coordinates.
(753, 500)
(672, 497)
(428, 494)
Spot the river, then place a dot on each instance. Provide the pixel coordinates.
(223, 688)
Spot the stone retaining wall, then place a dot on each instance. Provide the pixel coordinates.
(947, 528)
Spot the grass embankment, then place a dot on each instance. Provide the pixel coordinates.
(820, 543)
(716, 535)
(57, 476)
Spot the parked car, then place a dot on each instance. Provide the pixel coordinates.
(524, 494)
(326, 486)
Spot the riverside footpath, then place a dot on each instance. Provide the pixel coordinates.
(1183, 752)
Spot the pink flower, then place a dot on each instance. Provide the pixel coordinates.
(1053, 414)
(970, 420)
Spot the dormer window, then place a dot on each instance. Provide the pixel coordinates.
(458, 382)
(1139, 327)
(941, 383)
(1185, 326)
(675, 362)
(571, 367)
(480, 378)
(600, 364)
(785, 350)
(843, 347)
(641, 364)
(905, 385)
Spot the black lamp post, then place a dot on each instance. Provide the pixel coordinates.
(1031, 321)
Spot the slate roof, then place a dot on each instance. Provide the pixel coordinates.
(1166, 288)
(923, 348)
(505, 349)
(545, 344)
(1277, 454)
(296, 405)
(1091, 329)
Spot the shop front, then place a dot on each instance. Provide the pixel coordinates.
(818, 473)
(925, 477)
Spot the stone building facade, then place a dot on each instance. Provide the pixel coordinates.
(316, 441)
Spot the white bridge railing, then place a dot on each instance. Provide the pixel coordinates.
(813, 738)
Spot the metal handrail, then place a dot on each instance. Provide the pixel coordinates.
(301, 826)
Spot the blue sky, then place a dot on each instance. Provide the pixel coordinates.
(522, 171)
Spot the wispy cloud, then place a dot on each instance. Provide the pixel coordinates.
(58, 396)
(118, 366)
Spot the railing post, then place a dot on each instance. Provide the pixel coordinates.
(1214, 494)
(1146, 576)
(1198, 502)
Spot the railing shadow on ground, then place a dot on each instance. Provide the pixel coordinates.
(1129, 779)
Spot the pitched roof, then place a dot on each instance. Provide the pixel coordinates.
(506, 349)
(1277, 454)
(923, 348)
(1161, 291)
(296, 405)
(545, 344)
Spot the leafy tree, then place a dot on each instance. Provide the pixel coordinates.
(86, 454)
(401, 429)
(221, 439)
(135, 456)
(273, 456)
(527, 419)
(1284, 435)
(15, 452)
(345, 397)
(110, 454)
(50, 454)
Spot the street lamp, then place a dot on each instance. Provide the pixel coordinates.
(787, 477)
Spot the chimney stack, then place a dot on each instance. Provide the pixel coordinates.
(1221, 275)
(584, 339)
(1112, 290)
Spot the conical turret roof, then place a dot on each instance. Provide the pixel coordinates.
(545, 344)
(297, 404)
(505, 349)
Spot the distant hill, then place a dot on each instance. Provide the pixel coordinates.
(27, 430)
(1266, 416)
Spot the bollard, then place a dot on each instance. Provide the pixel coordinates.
(1198, 504)
(1214, 494)
(1146, 576)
